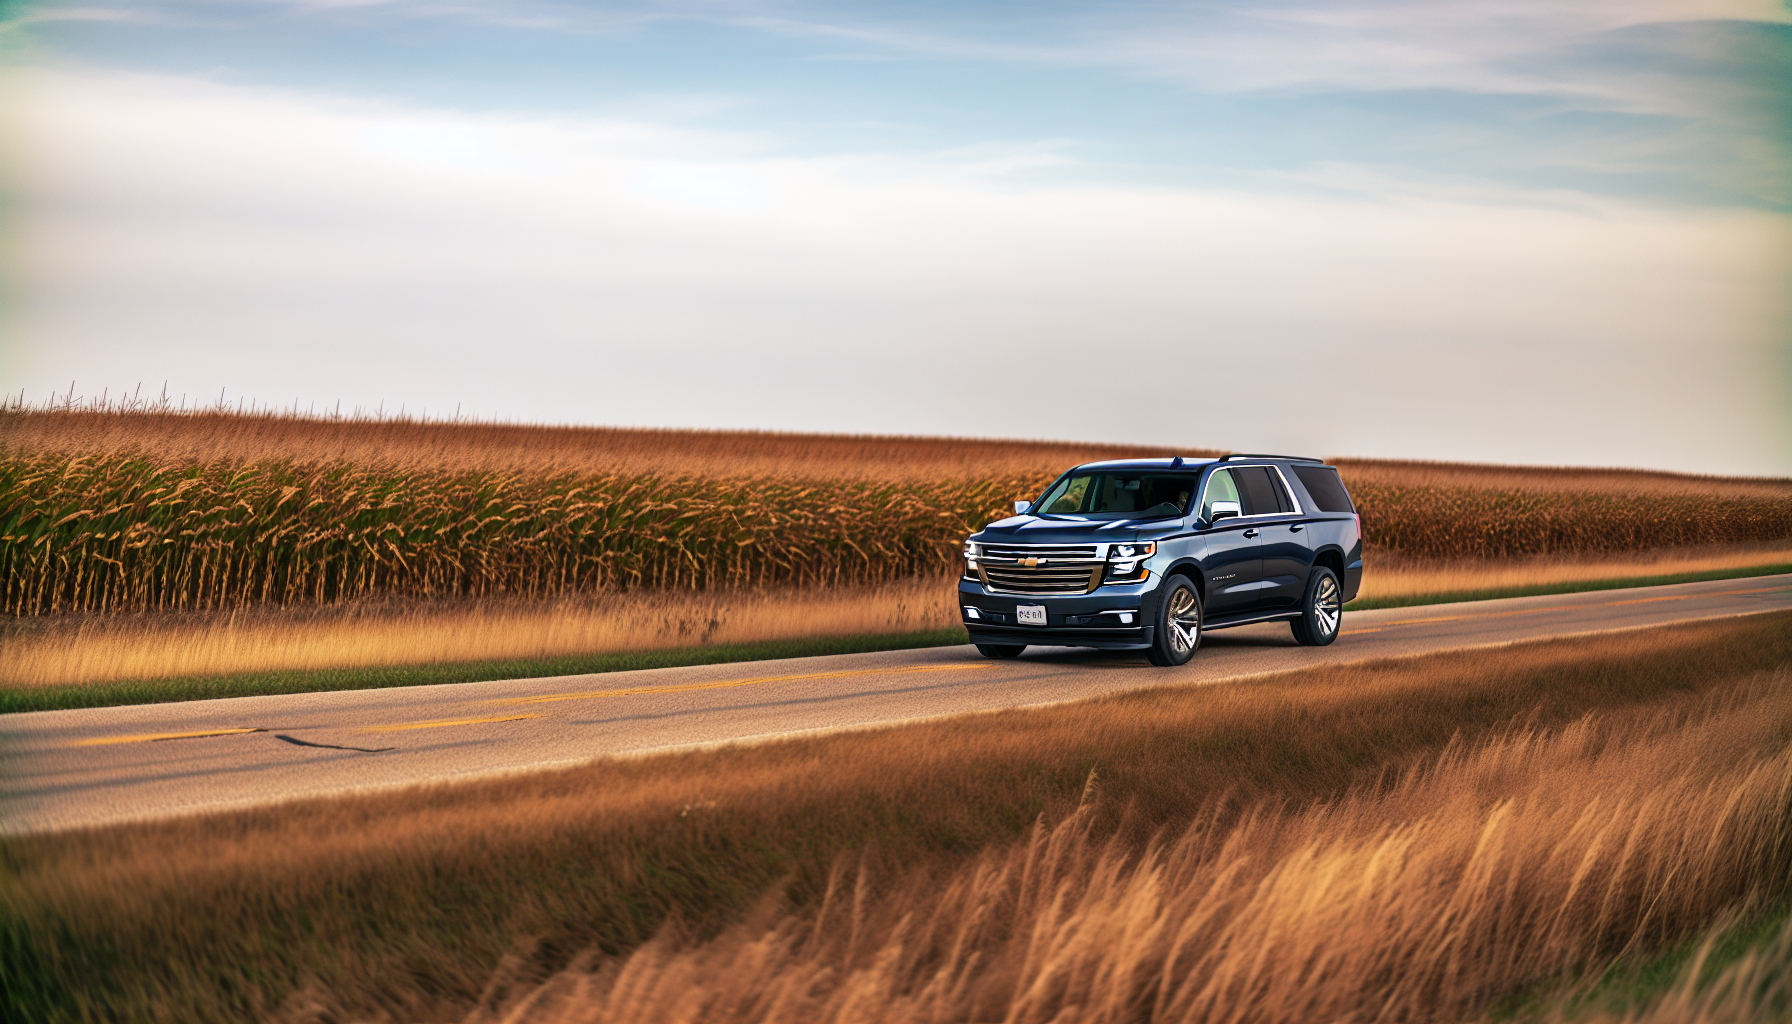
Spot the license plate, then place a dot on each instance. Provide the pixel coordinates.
(1030, 614)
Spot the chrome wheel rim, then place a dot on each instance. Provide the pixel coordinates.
(1184, 620)
(1326, 606)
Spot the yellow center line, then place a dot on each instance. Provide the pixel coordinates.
(1354, 632)
(639, 690)
(153, 737)
(1414, 622)
(446, 722)
(1650, 600)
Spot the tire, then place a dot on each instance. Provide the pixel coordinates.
(1179, 624)
(1322, 611)
(1001, 650)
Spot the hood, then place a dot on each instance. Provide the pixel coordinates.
(1070, 530)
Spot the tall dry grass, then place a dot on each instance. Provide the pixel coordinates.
(72, 650)
(1482, 870)
(1360, 796)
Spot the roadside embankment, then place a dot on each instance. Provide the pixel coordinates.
(1415, 838)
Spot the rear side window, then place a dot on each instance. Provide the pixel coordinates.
(1257, 490)
(1283, 502)
(1326, 489)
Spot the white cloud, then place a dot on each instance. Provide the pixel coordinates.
(626, 272)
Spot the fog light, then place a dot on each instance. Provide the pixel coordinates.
(1126, 618)
(971, 613)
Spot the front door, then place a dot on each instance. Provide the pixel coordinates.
(1234, 560)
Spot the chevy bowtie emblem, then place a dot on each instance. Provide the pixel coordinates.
(1032, 563)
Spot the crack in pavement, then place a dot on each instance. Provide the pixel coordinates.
(331, 746)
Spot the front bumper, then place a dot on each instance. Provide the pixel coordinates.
(1072, 620)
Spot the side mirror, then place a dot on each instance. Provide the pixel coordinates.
(1223, 510)
(1021, 506)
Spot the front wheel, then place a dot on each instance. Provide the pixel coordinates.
(1001, 650)
(1178, 624)
(1322, 613)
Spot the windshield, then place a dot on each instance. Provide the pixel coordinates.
(1119, 495)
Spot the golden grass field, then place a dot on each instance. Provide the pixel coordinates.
(1520, 858)
(60, 651)
(1418, 839)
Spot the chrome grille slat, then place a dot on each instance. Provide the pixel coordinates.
(1051, 563)
(1069, 568)
(1082, 552)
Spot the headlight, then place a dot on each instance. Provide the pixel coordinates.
(972, 551)
(1126, 562)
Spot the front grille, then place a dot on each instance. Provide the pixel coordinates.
(1063, 568)
(1083, 552)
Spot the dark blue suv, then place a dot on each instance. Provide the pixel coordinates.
(1146, 554)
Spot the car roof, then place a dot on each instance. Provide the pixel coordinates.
(1146, 464)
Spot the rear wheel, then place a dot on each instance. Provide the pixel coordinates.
(1178, 624)
(1322, 613)
(1001, 650)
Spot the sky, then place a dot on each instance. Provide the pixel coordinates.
(1549, 233)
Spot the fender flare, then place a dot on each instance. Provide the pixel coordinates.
(1190, 567)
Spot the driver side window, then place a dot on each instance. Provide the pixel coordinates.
(1220, 487)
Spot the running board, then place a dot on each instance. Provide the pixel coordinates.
(1249, 619)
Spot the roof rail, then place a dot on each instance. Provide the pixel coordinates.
(1290, 458)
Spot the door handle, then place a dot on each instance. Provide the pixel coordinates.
(1252, 532)
(1296, 528)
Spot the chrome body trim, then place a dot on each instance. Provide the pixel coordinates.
(1224, 623)
(1299, 510)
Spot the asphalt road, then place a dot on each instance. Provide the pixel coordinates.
(65, 769)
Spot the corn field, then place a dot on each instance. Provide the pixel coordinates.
(127, 532)
(1464, 522)
(101, 534)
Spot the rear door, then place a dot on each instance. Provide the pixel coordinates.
(1234, 562)
(1286, 546)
